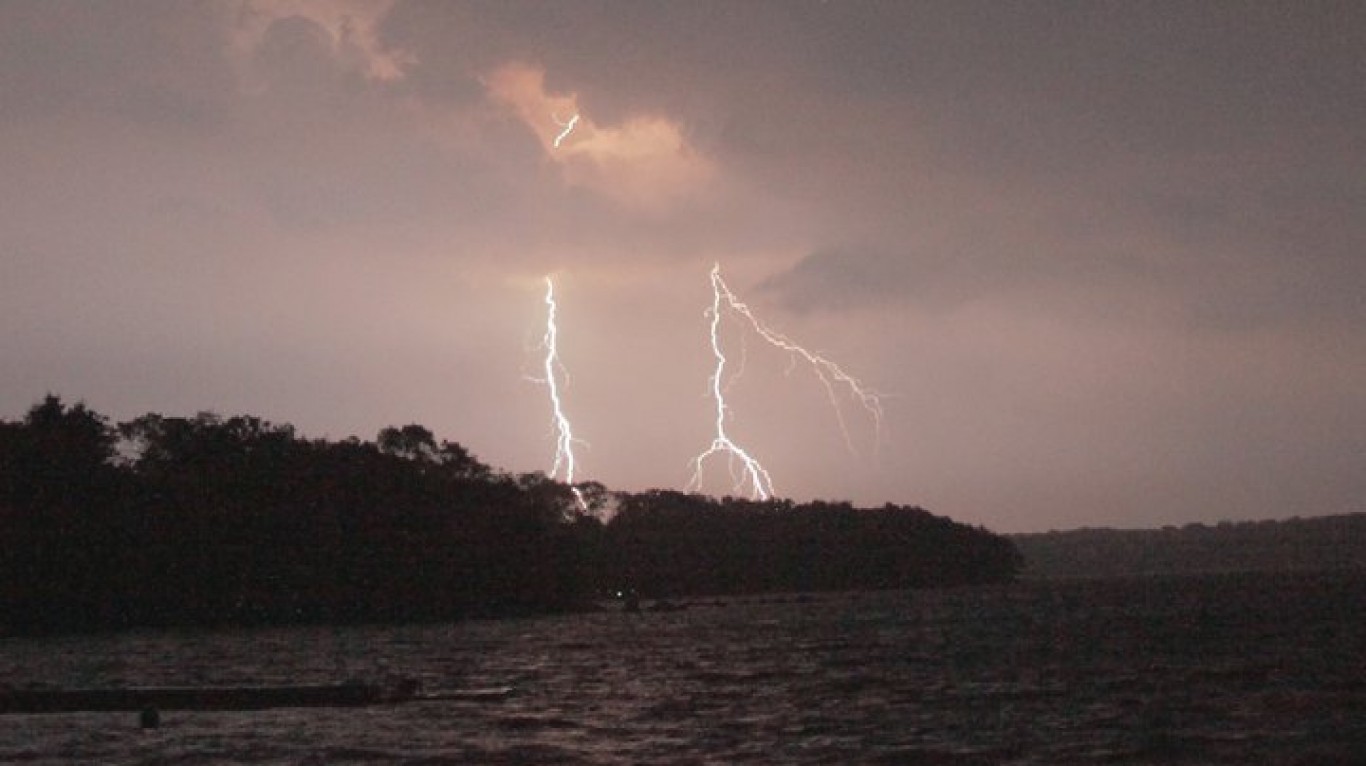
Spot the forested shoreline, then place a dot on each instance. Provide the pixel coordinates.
(206, 520)
(1286, 545)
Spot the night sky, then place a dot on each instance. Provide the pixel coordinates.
(1104, 262)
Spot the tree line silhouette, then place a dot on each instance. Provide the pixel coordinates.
(206, 520)
(1267, 545)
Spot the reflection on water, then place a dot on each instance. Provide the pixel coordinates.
(1246, 669)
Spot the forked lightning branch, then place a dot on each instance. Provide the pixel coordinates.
(748, 475)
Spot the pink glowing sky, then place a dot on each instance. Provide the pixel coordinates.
(1106, 261)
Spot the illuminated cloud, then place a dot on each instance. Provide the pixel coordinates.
(644, 161)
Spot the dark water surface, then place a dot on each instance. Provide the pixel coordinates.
(1242, 669)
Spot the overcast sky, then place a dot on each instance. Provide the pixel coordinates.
(1104, 262)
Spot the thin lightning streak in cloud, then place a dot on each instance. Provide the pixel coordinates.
(564, 443)
(565, 129)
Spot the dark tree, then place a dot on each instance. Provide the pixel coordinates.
(413, 442)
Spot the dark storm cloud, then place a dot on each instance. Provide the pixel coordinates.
(1110, 75)
(1236, 262)
(1213, 150)
(851, 278)
(1227, 133)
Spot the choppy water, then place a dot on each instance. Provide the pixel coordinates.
(1237, 670)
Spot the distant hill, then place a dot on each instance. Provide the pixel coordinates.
(1329, 542)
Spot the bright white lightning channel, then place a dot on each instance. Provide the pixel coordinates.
(750, 472)
(563, 465)
(565, 129)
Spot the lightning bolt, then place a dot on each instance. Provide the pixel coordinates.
(749, 471)
(831, 376)
(565, 128)
(564, 442)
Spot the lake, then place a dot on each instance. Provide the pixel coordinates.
(1228, 669)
